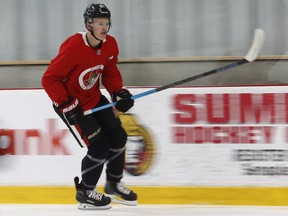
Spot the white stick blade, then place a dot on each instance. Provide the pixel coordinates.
(258, 40)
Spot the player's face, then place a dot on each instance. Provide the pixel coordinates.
(101, 27)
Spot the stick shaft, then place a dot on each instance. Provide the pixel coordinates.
(180, 82)
(217, 70)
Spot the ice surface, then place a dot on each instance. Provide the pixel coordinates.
(142, 210)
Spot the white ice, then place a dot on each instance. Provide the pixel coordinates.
(141, 210)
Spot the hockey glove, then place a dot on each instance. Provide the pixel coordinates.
(72, 111)
(123, 100)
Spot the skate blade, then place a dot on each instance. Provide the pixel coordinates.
(119, 200)
(85, 206)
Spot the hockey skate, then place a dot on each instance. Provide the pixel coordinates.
(90, 199)
(120, 194)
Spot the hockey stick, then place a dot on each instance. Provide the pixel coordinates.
(259, 36)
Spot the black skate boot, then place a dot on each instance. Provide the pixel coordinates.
(90, 199)
(120, 194)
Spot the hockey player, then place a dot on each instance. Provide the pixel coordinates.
(72, 82)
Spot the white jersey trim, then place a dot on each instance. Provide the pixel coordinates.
(84, 37)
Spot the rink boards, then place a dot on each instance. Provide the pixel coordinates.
(224, 145)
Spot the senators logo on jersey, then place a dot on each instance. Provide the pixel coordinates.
(90, 76)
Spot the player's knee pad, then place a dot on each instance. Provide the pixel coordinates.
(100, 149)
(118, 138)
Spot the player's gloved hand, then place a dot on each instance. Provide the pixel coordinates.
(72, 111)
(123, 100)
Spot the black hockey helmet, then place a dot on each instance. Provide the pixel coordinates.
(96, 11)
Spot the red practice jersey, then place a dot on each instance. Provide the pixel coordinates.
(78, 68)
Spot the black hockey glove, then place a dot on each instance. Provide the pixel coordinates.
(123, 100)
(72, 111)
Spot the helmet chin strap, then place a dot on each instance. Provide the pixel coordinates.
(92, 33)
